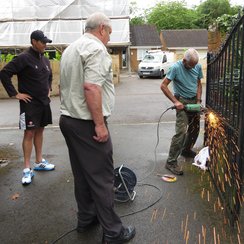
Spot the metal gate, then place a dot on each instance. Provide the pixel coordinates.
(224, 124)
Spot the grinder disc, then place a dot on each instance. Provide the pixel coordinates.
(169, 178)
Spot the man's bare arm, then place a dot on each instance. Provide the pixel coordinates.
(93, 95)
(168, 93)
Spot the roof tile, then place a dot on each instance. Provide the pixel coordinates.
(185, 38)
(144, 35)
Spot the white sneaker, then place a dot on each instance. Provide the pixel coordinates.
(27, 175)
(44, 165)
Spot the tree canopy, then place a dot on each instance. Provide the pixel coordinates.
(173, 15)
(176, 14)
(210, 10)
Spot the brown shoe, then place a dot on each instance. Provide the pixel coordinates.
(174, 168)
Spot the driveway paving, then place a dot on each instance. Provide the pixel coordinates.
(44, 212)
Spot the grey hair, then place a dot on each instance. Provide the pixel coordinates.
(191, 55)
(96, 19)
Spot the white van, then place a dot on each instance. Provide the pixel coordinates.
(155, 64)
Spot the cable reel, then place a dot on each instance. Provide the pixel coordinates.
(124, 183)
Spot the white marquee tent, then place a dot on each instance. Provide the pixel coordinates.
(61, 20)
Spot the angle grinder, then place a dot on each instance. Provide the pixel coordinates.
(192, 107)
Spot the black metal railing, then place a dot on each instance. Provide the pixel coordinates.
(224, 124)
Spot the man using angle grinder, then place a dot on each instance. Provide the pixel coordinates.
(186, 75)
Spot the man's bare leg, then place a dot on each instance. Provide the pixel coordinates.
(38, 141)
(27, 145)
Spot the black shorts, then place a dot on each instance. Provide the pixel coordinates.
(34, 115)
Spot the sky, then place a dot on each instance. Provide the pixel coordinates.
(190, 3)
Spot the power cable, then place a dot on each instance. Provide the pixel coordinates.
(155, 154)
(145, 184)
(124, 215)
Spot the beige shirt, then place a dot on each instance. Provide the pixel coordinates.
(85, 60)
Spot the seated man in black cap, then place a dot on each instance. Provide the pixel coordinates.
(34, 75)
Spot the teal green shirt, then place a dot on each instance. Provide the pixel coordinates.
(185, 80)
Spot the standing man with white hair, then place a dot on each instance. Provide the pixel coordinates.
(186, 75)
(87, 100)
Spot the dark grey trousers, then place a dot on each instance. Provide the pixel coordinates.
(93, 170)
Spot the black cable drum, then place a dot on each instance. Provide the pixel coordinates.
(130, 181)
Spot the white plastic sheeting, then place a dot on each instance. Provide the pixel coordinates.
(61, 20)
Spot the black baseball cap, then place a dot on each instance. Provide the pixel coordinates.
(38, 35)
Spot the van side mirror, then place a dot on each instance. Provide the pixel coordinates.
(164, 59)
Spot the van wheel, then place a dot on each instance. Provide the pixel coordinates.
(140, 76)
(161, 74)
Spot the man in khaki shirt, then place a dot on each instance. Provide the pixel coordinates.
(87, 99)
